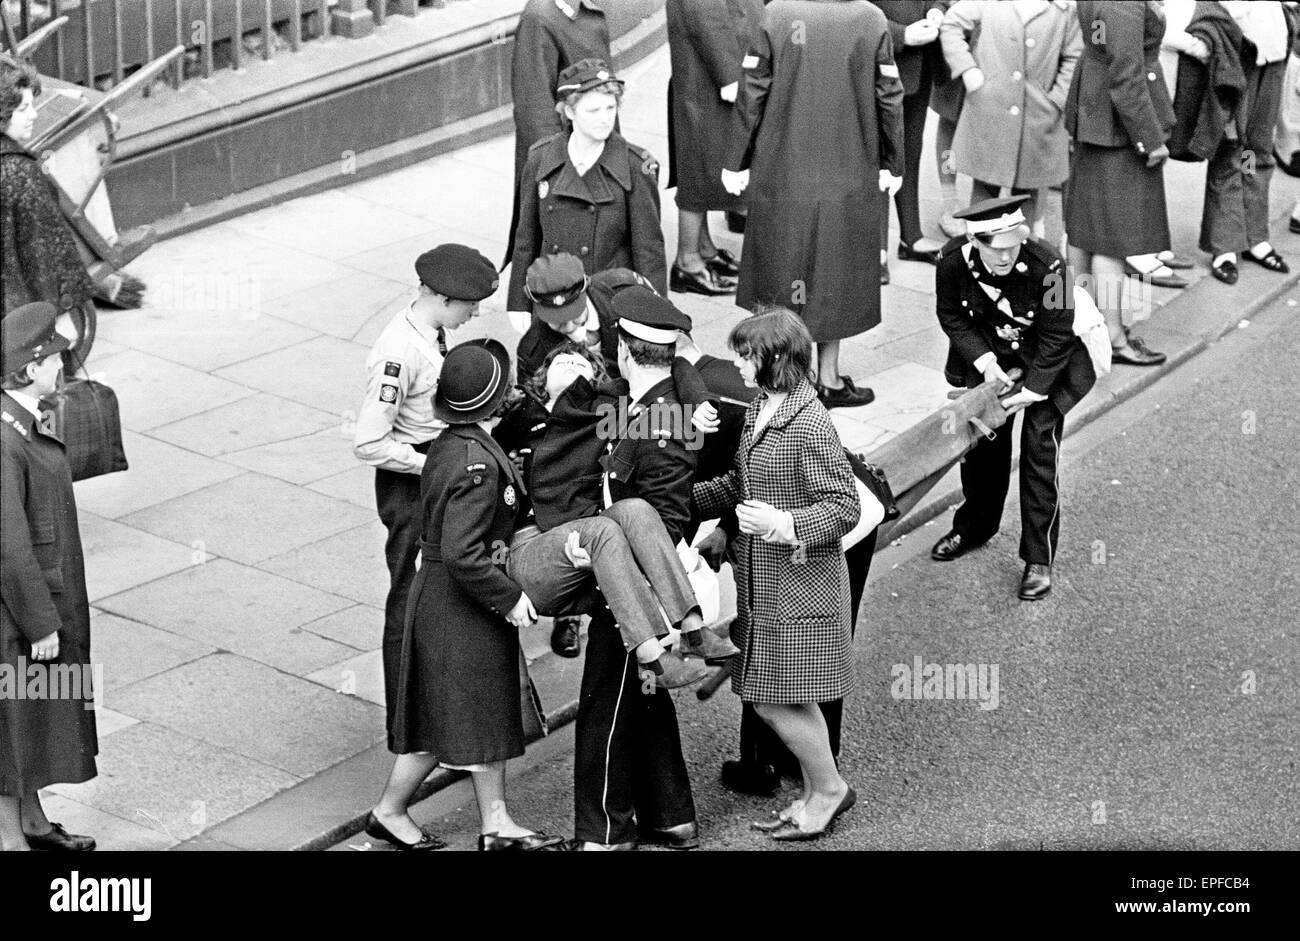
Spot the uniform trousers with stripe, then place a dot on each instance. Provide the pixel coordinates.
(628, 767)
(397, 496)
(986, 477)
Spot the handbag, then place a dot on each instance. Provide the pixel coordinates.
(88, 421)
(873, 476)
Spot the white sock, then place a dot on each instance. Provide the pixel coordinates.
(1220, 259)
(1261, 250)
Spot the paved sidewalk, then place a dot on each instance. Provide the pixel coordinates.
(236, 571)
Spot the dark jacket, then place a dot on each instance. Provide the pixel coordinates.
(917, 65)
(540, 338)
(1207, 93)
(609, 218)
(42, 591)
(1036, 334)
(821, 114)
(708, 40)
(39, 252)
(1118, 97)
(459, 693)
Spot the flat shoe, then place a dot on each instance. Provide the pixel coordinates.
(1135, 353)
(791, 831)
(378, 831)
(778, 821)
(60, 840)
(706, 282)
(724, 263)
(1169, 280)
(848, 395)
(1293, 224)
(908, 253)
(492, 842)
(1272, 261)
(1225, 272)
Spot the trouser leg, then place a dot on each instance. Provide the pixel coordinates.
(655, 555)
(907, 199)
(398, 499)
(1223, 217)
(985, 478)
(1040, 512)
(661, 787)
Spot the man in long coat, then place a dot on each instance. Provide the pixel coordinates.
(550, 37)
(822, 116)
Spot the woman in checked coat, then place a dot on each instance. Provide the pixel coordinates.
(794, 496)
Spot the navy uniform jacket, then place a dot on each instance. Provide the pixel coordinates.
(609, 217)
(1031, 327)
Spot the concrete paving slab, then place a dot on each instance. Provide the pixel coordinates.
(356, 486)
(110, 831)
(173, 784)
(153, 392)
(217, 518)
(158, 471)
(254, 711)
(904, 395)
(478, 198)
(108, 721)
(360, 626)
(330, 224)
(350, 563)
(259, 419)
(301, 460)
(394, 259)
(361, 676)
(927, 347)
(343, 306)
(131, 650)
(206, 334)
(241, 609)
(324, 373)
(119, 557)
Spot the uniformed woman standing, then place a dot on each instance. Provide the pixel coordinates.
(587, 191)
(459, 685)
(44, 612)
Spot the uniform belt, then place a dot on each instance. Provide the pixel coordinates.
(429, 552)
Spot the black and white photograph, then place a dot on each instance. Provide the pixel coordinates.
(677, 426)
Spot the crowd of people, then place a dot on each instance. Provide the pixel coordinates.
(570, 478)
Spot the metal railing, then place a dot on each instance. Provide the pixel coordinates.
(106, 40)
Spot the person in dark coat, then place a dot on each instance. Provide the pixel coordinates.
(39, 259)
(821, 108)
(1118, 115)
(588, 192)
(46, 738)
(1006, 301)
(795, 500)
(551, 36)
(708, 40)
(458, 683)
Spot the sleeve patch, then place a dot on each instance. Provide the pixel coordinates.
(392, 369)
(889, 70)
(387, 393)
(749, 62)
(471, 468)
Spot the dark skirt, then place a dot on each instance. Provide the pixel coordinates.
(1115, 204)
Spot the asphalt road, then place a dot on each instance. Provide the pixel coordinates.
(1151, 702)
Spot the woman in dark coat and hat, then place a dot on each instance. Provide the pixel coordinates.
(459, 682)
(46, 737)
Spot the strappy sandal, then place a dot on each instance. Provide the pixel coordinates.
(1272, 261)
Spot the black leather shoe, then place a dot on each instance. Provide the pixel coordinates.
(1225, 272)
(1294, 225)
(706, 282)
(953, 546)
(684, 836)
(736, 222)
(747, 777)
(1136, 353)
(491, 842)
(1036, 582)
(884, 272)
(846, 396)
(586, 846)
(708, 646)
(378, 831)
(564, 637)
(1169, 280)
(724, 263)
(908, 253)
(59, 840)
(1272, 261)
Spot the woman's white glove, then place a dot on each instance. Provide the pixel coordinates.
(735, 181)
(705, 418)
(523, 613)
(890, 184)
(728, 92)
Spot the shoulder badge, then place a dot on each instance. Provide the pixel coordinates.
(392, 369)
(543, 188)
(13, 423)
(508, 495)
(388, 393)
(478, 466)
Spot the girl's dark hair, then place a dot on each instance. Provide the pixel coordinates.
(535, 385)
(779, 342)
(14, 80)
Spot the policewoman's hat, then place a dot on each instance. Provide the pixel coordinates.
(557, 285)
(645, 315)
(997, 222)
(585, 75)
(458, 272)
(474, 381)
(27, 335)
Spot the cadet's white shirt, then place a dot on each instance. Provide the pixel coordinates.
(397, 411)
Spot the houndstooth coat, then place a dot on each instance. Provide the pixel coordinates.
(792, 602)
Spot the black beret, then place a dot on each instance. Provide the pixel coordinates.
(457, 271)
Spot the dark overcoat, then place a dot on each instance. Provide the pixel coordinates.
(1033, 331)
(459, 694)
(550, 37)
(708, 41)
(43, 741)
(40, 257)
(608, 217)
(821, 109)
(792, 602)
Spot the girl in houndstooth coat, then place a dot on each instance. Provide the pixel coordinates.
(794, 496)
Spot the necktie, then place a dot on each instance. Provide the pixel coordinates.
(442, 341)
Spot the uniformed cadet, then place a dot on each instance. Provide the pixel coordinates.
(1005, 301)
(396, 420)
(551, 36)
(44, 610)
(587, 191)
